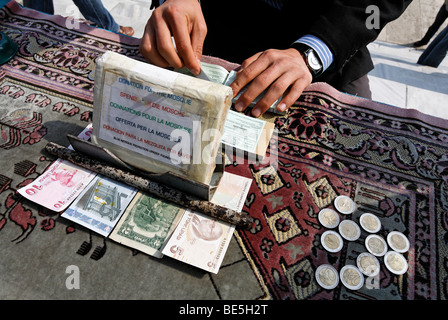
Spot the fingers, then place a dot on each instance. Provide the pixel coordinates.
(282, 86)
(247, 73)
(275, 74)
(188, 45)
(197, 43)
(292, 94)
(182, 21)
(165, 46)
(148, 47)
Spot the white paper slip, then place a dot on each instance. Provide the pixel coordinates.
(247, 133)
(200, 241)
(100, 205)
(232, 191)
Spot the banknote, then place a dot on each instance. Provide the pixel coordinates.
(100, 205)
(58, 186)
(61, 183)
(84, 134)
(232, 191)
(199, 240)
(147, 223)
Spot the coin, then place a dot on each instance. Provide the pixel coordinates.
(370, 222)
(344, 204)
(376, 245)
(368, 264)
(349, 230)
(395, 262)
(327, 276)
(328, 218)
(351, 277)
(398, 241)
(331, 241)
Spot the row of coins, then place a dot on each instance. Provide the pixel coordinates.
(367, 263)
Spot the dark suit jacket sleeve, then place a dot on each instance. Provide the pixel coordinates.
(343, 25)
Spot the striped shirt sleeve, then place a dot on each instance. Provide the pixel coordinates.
(322, 50)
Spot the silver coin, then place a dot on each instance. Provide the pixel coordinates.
(376, 245)
(327, 276)
(398, 241)
(349, 230)
(370, 222)
(395, 262)
(368, 264)
(331, 241)
(344, 204)
(328, 218)
(351, 277)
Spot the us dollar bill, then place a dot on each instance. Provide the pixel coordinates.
(147, 224)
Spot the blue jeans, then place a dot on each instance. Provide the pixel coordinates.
(436, 50)
(92, 10)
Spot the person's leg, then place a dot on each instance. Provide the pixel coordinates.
(442, 15)
(436, 51)
(40, 5)
(359, 87)
(93, 10)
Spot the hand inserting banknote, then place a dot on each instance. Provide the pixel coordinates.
(202, 75)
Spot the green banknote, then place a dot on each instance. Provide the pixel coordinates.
(147, 224)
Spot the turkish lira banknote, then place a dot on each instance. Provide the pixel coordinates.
(200, 240)
(58, 186)
(61, 183)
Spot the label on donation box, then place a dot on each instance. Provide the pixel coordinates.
(158, 120)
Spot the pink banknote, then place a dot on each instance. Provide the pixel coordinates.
(61, 183)
(58, 186)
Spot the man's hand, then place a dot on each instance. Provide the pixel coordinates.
(182, 20)
(282, 72)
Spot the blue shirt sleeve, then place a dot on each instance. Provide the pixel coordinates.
(322, 50)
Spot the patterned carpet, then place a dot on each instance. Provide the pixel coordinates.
(391, 162)
(47, 92)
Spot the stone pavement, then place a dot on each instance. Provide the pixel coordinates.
(413, 23)
(397, 79)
